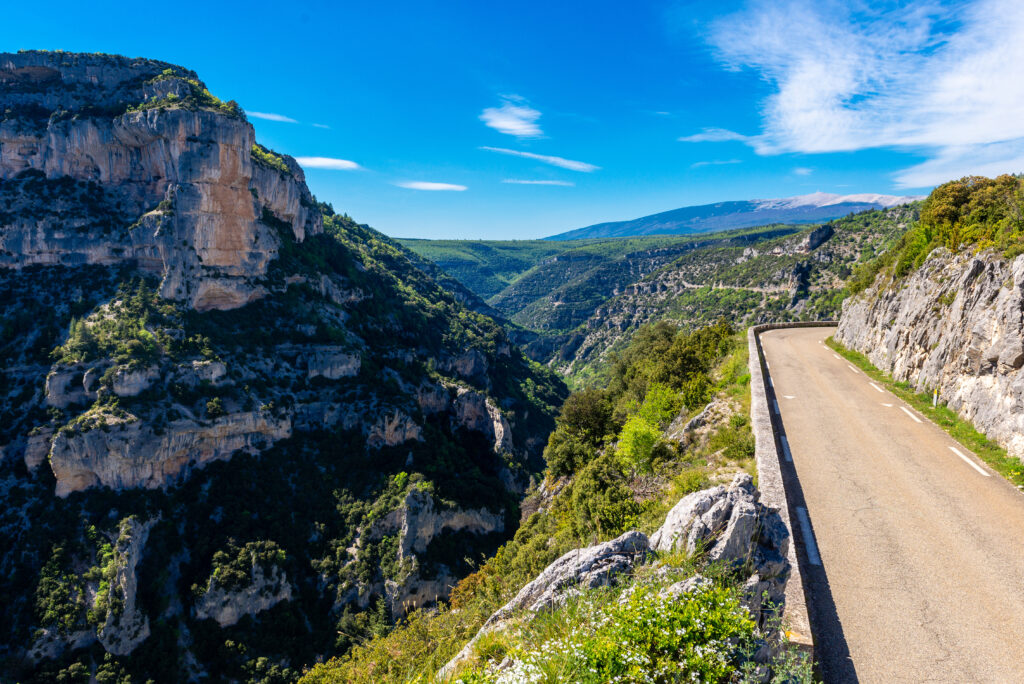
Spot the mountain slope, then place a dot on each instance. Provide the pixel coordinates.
(813, 208)
(239, 431)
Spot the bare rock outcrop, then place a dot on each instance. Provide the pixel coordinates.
(587, 568)
(130, 454)
(955, 325)
(126, 626)
(227, 607)
(142, 143)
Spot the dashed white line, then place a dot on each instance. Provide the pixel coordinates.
(789, 396)
(907, 411)
(884, 404)
(785, 449)
(809, 544)
(877, 388)
(837, 356)
(852, 368)
(967, 461)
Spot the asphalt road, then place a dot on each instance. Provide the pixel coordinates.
(920, 555)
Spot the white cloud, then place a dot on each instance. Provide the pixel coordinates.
(716, 135)
(539, 182)
(327, 163)
(271, 117)
(715, 162)
(420, 185)
(940, 80)
(513, 117)
(554, 161)
(321, 126)
(803, 171)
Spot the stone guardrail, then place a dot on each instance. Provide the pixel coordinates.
(772, 483)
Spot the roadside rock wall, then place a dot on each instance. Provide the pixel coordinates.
(956, 325)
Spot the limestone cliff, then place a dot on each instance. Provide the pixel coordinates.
(956, 325)
(189, 337)
(149, 167)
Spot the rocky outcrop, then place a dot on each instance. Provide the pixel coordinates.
(131, 454)
(332, 363)
(727, 524)
(730, 525)
(588, 568)
(126, 626)
(263, 592)
(955, 325)
(133, 382)
(474, 411)
(177, 186)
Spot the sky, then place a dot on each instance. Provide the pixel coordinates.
(468, 119)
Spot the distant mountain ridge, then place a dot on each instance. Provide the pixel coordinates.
(706, 218)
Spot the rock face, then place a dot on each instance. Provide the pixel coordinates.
(126, 626)
(228, 607)
(956, 325)
(416, 523)
(178, 171)
(123, 455)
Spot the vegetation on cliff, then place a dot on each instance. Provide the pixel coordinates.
(973, 212)
(600, 482)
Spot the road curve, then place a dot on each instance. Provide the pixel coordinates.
(920, 550)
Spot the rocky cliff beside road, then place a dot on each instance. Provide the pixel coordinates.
(955, 325)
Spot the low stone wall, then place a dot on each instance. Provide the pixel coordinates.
(772, 483)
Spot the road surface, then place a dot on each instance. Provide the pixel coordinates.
(915, 552)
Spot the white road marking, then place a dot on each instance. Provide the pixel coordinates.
(884, 404)
(785, 449)
(767, 365)
(967, 461)
(776, 405)
(852, 368)
(907, 411)
(837, 356)
(812, 546)
(789, 396)
(877, 387)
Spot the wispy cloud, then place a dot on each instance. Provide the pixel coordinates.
(421, 185)
(516, 181)
(513, 117)
(547, 159)
(716, 135)
(939, 79)
(321, 126)
(714, 162)
(327, 163)
(803, 171)
(269, 116)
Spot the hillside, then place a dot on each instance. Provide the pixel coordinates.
(707, 218)
(239, 431)
(798, 277)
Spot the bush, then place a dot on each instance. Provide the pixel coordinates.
(602, 504)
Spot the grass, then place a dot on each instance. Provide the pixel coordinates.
(1009, 467)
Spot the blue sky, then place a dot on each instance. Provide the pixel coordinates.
(609, 110)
